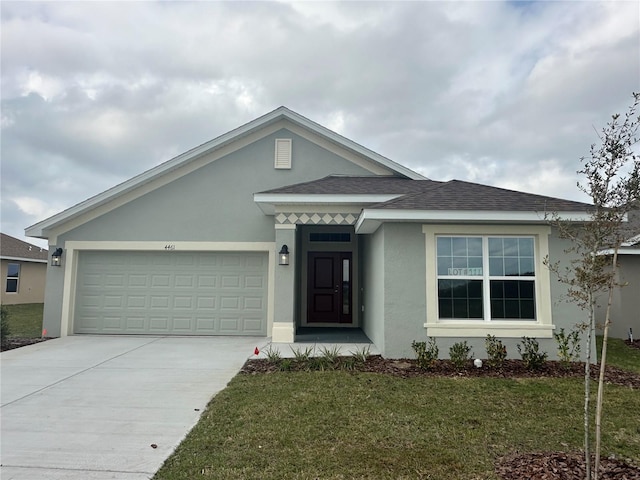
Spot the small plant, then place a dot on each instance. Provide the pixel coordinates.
(496, 351)
(302, 356)
(460, 354)
(331, 355)
(568, 346)
(5, 330)
(426, 353)
(349, 363)
(285, 365)
(360, 355)
(273, 355)
(320, 364)
(531, 355)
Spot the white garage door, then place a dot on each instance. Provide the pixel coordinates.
(173, 293)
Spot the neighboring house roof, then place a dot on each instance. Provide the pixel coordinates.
(41, 229)
(12, 248)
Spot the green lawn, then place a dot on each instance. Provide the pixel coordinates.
(339, 425)
(620, 355)
(25, 321)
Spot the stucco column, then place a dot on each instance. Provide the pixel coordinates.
(284, 289)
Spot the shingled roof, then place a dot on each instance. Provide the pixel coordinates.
(433, 195)
(357, 185)
(460, 195)
(13, 248)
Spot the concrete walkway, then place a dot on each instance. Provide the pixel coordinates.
(91, 407)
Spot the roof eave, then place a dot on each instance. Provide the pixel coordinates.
(371, 219)
(268, 201)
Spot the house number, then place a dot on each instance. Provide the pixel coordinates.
(170, 247)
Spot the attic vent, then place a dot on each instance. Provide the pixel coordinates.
(283, 153)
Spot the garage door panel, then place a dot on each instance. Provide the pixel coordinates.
(181, 293)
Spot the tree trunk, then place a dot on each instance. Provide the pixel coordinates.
(603, 362)
(587, 387)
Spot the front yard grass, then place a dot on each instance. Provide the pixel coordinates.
(25, 321)
(340, 425)
(620, 354)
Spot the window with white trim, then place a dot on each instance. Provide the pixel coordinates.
(486, 277)
(13, 277)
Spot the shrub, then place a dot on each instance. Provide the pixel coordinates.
(460, 354)
(329, 357)
(302, 356)
(285, 365)
(273, 355)
(360, 355)
(531, 355)
(496, 352)
(349, 363)
(5, 330)
(426, 353)
(568, 346)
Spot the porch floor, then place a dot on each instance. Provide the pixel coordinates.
(330, 335)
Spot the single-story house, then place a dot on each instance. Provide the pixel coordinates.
(282, 225)
(24, 270)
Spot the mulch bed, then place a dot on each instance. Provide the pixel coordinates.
(11, 343)
(561, 466)
(407, 368)
(520, 466)
(634, 344)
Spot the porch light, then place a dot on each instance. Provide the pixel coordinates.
(284, 255)
(56, 257)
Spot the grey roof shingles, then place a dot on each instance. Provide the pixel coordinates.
(433, 195)
(357, 185)
(460, 195)
(14, 248)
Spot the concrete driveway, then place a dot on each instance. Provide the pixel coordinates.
(90, 407)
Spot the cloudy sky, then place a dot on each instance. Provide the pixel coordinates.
(503, 93)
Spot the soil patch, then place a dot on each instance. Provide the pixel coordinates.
(634, 344)
(561, 466)
(11, 343)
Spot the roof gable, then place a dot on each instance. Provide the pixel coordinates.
(193, 159)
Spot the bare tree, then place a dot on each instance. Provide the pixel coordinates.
(612, 181)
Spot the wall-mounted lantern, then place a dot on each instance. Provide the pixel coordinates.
(56, 257)
(284, 255)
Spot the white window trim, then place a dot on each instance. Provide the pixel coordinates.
(17, 279)
(542, 327)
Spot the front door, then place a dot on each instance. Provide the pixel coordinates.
(329, 298)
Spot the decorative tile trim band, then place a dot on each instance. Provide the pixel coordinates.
(316, 219)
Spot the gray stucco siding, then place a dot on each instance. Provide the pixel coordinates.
(215, 203)
(212, 204)
(625, 304)
(404, 306)
(404, 288)
(373, 295)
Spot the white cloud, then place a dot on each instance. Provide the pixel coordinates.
(35, 207)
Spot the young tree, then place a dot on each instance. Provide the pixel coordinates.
(612, 181)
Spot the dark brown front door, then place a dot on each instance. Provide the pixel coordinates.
(329, 287)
